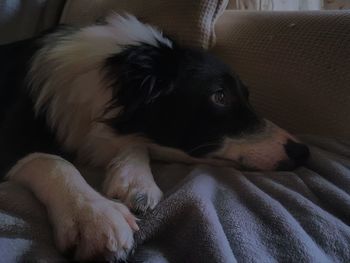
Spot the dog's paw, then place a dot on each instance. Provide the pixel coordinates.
(134, 187)
(142, 197)
(95, 229)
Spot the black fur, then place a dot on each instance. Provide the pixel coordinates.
(177, 97)
(165, 94)
(21, 132)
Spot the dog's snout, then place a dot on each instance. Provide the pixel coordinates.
(297, 152)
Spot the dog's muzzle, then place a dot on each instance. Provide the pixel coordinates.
(271, 148)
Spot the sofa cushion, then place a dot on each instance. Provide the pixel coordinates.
(190, 22)
(296, 65)
(25, 19)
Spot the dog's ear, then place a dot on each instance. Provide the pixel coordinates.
(140, 74)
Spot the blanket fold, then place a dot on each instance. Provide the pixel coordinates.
(218, 214)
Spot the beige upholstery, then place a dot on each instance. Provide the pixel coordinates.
(24, 19)
(190, 21)
(297, 65)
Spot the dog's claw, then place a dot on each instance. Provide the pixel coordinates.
(142, 202)
(139, 202)
(138, 193)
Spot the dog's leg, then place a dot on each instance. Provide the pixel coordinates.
(80, 216)
(129, 178)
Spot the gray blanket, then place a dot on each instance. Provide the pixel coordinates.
(218, 215)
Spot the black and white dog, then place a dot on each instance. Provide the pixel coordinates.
(115, 95)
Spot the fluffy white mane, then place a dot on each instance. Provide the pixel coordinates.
(66, 75)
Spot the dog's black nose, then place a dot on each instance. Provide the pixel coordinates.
(297, 152)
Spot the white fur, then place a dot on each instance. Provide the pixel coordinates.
(79, 215)
(260, 151)
(66, 77)
(67, 80)
(130, 178)
(22, 162)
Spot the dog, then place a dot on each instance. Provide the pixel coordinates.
(116, 95)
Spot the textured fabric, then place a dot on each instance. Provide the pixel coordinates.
(191, 22)
(25, 19)
(218, 215)
(296, 65)
(244, 4)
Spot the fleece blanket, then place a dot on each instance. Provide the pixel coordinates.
(217, 214)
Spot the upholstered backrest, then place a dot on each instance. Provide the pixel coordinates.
(296, 65)
(191, 22)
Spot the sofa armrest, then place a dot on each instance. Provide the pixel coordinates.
(297, 65)
(24, 19)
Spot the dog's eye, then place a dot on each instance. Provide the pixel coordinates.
(220, 98)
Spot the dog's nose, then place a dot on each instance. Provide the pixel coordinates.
(297, 152)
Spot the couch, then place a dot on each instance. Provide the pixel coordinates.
(296, 65)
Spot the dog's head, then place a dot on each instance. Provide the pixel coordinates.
(189, 100)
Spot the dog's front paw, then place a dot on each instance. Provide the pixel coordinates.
(135, 187)
(96, 229)
(142, 197)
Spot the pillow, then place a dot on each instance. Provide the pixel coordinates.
(190, 22)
